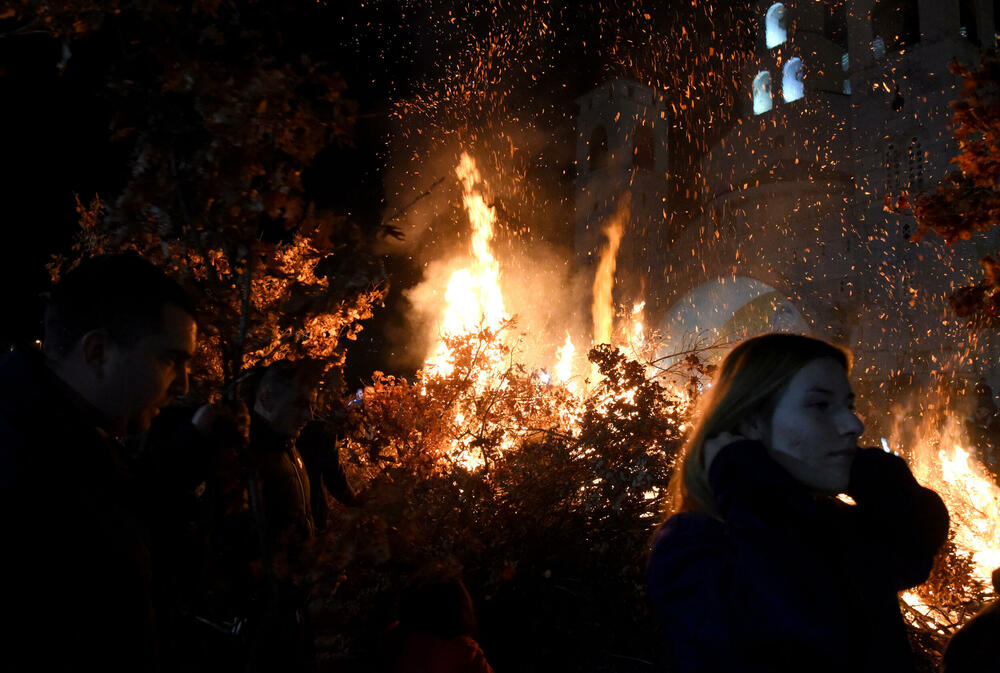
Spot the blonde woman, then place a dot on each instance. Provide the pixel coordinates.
(762, 567)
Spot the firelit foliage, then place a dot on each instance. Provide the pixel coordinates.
(968, 200)
(953, 595)
(223, 113)
(547, 501)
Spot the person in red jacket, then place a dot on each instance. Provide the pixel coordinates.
(437, 621)
(763, 567)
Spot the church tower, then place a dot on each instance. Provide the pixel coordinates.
(621, 153)
(901, 92)
(777, 186)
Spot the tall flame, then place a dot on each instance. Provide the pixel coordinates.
(473, 299)
(637, 334)
(603, 308)
(564, 364)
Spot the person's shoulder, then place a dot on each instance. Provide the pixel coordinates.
(12, 453)
(689, 561)
(467, 643)
(18, 379)
(686, 525)
(685, 540)
(474, 658)
(17, 396)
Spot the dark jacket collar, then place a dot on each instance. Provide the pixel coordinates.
(27, 383)
(263, 439)
(55, 426)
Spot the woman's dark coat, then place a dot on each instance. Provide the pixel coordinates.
(788, 580)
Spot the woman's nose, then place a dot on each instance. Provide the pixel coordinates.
(852, 425)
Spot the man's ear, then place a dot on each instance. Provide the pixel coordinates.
(753, 427)
(94, 348)
(265, 399)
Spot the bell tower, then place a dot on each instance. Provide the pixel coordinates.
(621, 149)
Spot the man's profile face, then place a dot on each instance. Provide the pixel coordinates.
(147, 375)
(288, 408)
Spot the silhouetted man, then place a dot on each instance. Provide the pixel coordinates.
(75, 568)
(282, 404)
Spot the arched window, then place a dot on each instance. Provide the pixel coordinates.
(835, 22)
(915, 165)
(996, 20)
(891, 166)
(967, 21)
(791, 80)
(896, 23)
(597, 151)
(643, 152)
(762, 101)
(878, 46)
(775, 29)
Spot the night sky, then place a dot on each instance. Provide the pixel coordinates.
(411, 66)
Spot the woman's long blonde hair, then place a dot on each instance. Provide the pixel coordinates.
(749, 381)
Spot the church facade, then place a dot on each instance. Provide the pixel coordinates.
(844, 107)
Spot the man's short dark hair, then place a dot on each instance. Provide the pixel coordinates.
(280, 376)
(123, 294)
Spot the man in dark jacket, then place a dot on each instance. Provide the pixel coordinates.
(280, 494)
(317, 444)
(282, 406)
(75, 571)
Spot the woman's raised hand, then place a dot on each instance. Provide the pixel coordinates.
(715, 444)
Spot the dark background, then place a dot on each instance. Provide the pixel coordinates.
(56, 116)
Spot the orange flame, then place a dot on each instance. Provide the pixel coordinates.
(603, 309)
(564, 364)
(473, 298)
(940, 462)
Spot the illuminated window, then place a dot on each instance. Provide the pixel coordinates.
(845, 62)
(762, 101)
(774, 22)
(878, 46)
(791, 81)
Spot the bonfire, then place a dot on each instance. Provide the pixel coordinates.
(586, 444)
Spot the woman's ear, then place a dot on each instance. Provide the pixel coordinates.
(753, 427)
